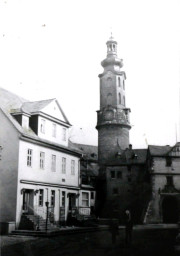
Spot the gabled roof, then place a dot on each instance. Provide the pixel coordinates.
(159, 150)
(35, 106)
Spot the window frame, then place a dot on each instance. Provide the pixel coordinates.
(53, 163)
(42, 126)
(42, 160)
(64, 165)
(53, 194)
(54, 130)
(29, 157)
(85, 201)
(41, 198)
(72, 167)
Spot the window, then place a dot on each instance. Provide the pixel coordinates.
(169, 180)
(63, 199)
(73, 167)
(123, 85)
(29, 157)
(119, 82)
(85, 199)
(119, 98)
(64, 134)
(42, 126)
(63, 165)
(112, 174)
(124, 101)
(42, 160)
(53, 163)
(92, 195)
(119, 175)
(41, 197)
(168, 161)
(52, 198)
(54, 130)
(115, 191)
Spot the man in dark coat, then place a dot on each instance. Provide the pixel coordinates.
(128, 227)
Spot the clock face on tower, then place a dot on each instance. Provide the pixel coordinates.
(108, 115)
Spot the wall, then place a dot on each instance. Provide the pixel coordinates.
(8, 169)
(109, 137)
(34, 173)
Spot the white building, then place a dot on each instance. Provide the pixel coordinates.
(37, 165)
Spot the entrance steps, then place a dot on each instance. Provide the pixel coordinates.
(35, 222)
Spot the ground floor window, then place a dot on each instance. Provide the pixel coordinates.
(63, 199)
(41, 195)
(52, 198)
(85, 199)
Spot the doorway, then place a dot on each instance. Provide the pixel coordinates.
(170, 210)
(28, 201)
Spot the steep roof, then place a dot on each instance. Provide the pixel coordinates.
(9, 100)
(35, 106)
(159, 150)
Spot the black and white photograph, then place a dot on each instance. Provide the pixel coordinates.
(89, 127)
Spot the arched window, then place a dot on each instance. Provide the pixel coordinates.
(119, 82)
(124, 100)
(123, 85)
(119, 98)
(109, 99)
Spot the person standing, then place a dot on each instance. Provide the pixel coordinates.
(128, 227)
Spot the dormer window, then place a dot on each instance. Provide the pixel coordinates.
(42, 127)
(64, 134)
(54, 130)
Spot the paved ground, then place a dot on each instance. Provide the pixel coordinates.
(149, 242)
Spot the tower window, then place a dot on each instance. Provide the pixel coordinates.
(119, 98)
(113, 47)
(124, 101)
(123, 85)
(119, 82)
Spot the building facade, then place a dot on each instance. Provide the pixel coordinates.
(40, 171)
(164, 172)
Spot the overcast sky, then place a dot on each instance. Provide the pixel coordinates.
(53, 49)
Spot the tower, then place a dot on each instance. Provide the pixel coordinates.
(113, 117)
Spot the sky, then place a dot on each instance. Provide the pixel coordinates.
(53, 49)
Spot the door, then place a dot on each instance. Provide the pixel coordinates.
(28, 198)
